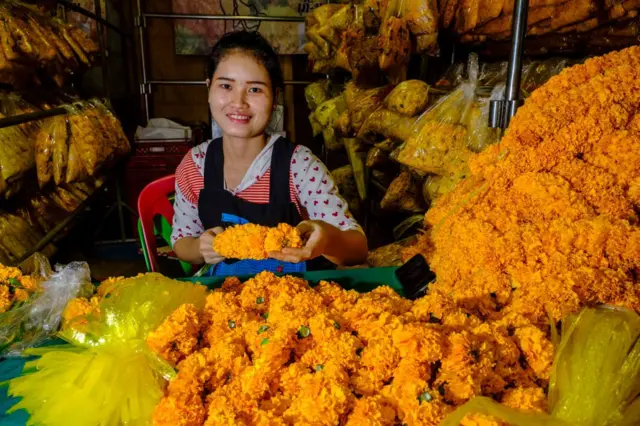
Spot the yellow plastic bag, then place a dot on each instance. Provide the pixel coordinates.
(595, 378)
(109, 377)
(409, 98)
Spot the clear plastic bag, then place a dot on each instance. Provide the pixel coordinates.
(326, 115)
(408, 98)
(316, 93)
(595, 379)
(52, 150)
(388, 124)
(38, 318)
(395, 43)
(389, 255)
(110, 376)
(363, 102)
(438, 143)
(422, 17)
(436, 186)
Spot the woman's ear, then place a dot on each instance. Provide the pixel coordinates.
(208, 81)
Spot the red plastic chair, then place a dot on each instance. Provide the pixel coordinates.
(154, 201)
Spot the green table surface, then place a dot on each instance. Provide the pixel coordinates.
(362, 280)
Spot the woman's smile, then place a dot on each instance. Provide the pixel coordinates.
(239, 118)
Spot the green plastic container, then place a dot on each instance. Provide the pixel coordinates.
(361, 280)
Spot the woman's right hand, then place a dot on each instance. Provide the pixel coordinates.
(206, 246)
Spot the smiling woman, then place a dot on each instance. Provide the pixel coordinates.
(248, 176)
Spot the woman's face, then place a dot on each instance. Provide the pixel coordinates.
(241, 98)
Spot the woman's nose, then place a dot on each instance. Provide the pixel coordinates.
(239, 97)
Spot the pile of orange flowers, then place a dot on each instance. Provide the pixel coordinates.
(549, 220)
(255, 242)
(15, 287)
(274, 351)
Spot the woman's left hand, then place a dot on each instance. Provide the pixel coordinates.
(316, 233)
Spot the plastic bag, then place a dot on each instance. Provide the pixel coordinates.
(389, 255)
(387, 145)
(422, 17)
(595, 378)
(363, 57)
(409, 98)
(436, 186)
(376, 158)
(316, 93)
(326, 115)
(403, 195)
(438, 143)
(357, 158)
(346, 184)
(110, 377)
(38, 316)
(395, 43)
(363, 102)
(388, 124)
(479, 135)
(52, 150)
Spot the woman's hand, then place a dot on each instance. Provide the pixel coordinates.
(316, 234)
(206, 246)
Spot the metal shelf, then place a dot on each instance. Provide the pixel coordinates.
(223, 17)
(74, 7)
(32, 116)
(203, 83)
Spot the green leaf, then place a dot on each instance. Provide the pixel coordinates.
(264, 342)
(14, 282)
(319, 367)
(265, 315)
(425, 397)
(304, 332)
(336, 325)
(260, 300)
(262, 329)
(232, 324)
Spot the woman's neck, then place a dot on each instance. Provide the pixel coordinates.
(242, 150)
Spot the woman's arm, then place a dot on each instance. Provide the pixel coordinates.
(198, 250)
(344, 248)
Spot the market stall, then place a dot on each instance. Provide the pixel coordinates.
(509, 296)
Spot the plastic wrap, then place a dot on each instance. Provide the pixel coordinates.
(346, 184)
(595, 379)
(436, 186)
(326, 115)
(376, 157)
(479, 135)
(110, 377)
(422, 17)
(363, 102)
(387, 145)
(403, 195)
(52, 150)
(342, 126)
(409, 98)
(357, 158)
(388, 124)
(394, 43)
(316, 93)
(389, 255)
(438, 143)
(364, 57)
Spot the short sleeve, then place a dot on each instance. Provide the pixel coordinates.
(186, 222)
(317, 191)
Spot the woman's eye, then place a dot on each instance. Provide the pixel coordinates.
(225, 86)
(255, 90)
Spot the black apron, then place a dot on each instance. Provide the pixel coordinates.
(219, 207)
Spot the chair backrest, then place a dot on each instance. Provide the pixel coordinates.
(154, 201)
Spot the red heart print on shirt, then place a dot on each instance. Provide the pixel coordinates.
(341, 223)
(313, 179)
(319, 191)
(326, 202)
(335, 214)
(315, 203)
(316, 168)
(324, 182)
(293, 161)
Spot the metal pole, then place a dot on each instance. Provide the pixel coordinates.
(72, 6)
(103, 51)
(225, 17)
(501, 112)
(514, 76)
(32, 116)
(144, 86)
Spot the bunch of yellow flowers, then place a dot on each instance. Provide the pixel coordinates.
(255, 242)
(276, 351)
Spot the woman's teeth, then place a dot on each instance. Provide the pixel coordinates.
(239, 117)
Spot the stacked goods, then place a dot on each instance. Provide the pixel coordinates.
(553, 208)
(16, 149)
(365, 39)
(255, 242)
(29, 40)
(23, 228)
(75, 146)
(566, 24)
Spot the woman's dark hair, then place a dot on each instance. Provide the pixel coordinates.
(252, 43)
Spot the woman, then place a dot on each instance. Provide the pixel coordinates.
(248, 176)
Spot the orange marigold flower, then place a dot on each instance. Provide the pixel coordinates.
(252, 241)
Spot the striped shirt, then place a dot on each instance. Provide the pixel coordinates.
(312, 189)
